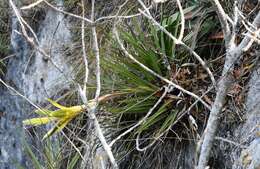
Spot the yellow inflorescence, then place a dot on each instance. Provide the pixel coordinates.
(62, 117)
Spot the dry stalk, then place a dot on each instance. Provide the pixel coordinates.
(92, 110)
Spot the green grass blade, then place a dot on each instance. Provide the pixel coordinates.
(33, 157)
(73, 161)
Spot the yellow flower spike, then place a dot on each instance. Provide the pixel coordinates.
(60, 113)
(63, 115)
(39, 121)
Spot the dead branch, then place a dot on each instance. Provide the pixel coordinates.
(84, 53)
(31, 5)
(233, 54)
(19, 94)
(31, 40)
(92, 110)
(222, 18)
(68, 13)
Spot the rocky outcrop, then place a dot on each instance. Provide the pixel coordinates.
(248, 133)
(33, 76)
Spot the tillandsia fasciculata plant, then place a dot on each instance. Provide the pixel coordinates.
(154, 49)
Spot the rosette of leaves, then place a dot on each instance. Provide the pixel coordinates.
(157, 51)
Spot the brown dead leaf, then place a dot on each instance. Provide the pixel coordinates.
(208, 100)
(235, 89)
(218, 35)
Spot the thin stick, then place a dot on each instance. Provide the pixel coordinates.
(19, 94)
(167, 89)
(222, 18)
(182, 21)
(31, 40)
(73, 145)
(96, 52)
(84, 51)
(92, 110)
(68, 13)
(32, 5)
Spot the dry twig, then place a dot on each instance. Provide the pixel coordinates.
(84, 54)
(92, 110)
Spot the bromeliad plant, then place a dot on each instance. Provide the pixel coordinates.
(158, 52)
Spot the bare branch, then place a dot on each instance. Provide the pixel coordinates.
(22, 22)
(230, 142)
(117, 16)
(84, 51)
(73, 145)
(233, 54)
(222, 18)
(167, 89)
(253, 39)
(91, 110)
(247, 39)
(32, 5)
(67, 13)
(212, 124)
(234, 27)
(19, 94)
(182, 21)
(96, 51)
(103, 141)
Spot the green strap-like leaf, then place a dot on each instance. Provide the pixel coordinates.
(33, 157)
(73, 161)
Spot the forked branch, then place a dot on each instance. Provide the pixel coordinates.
(233, 54)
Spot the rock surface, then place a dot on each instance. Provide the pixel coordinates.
(33, 76)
